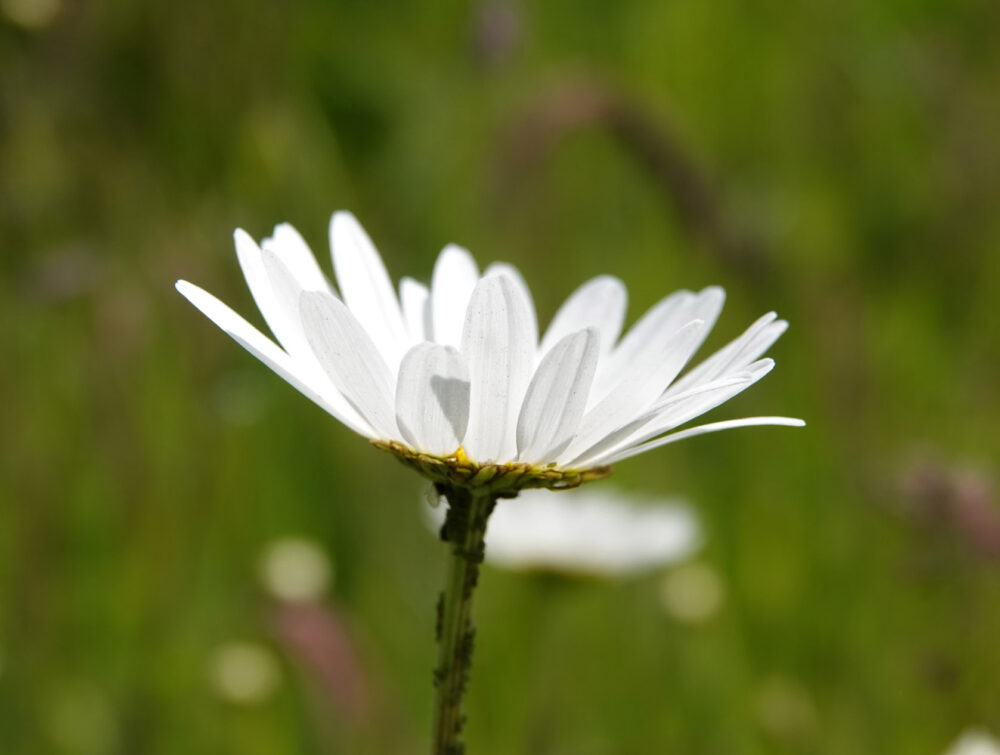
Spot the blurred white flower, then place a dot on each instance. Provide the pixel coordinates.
(975, 742)
(456, 372)
(295, 568)
(785, 709)
(31, 14)
(244, 673)
(692, 593)
(81, 718)
(600, 532)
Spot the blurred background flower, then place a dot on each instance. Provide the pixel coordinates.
(692, 594)
(594, 530)
(80, 718)
(295, 569)
(835, 161)
(244, 673)
(975, 742)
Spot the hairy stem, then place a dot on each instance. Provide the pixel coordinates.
(463, 530)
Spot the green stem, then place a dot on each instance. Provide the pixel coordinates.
(464, 529)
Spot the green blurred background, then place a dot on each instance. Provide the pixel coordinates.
(836, 161)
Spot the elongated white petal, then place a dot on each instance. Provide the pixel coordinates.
(270, 354)
(286, 243)
(432, 398)
(628, 434)
(455, 275)
(366, 287)
(286, 291)
(666, 314)
(416, 302)
(653, 369)
(707, 307)
(496, 345)
(737, 354)
(351, 360)
(505, 268)
(701, 430)
(683, 402)
(557, 396)
(599, 303)
(663, 319)
(675, 410)
(251, 262)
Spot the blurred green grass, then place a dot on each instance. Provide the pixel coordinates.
(848, 155)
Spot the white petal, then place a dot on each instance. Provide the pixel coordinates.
(701, 430)
(416, 302)
(505, 268)
(351, 360)
(268, 352)
(675, 410)
(455, 275)
(666, 314)
(432, 398)
(496, 343)
(598, 303)
(653, 368)
(629, 434)
(293, 251)
(737, 354)
(683, 403)
(663, 319)
(557, 396)
(286, 291)
(366, 288)
(251, 262)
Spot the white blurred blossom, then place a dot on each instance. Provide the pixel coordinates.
(243, 673)
(30, 14)
(975, 741)
(295, 568)
(785, 709)
(596, 531)
(693, 593)
(81, 718)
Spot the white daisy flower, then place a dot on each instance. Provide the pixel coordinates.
(975, 742)
(454, 377)
(589, 532)
(295, 569)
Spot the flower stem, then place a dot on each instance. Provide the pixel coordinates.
(464, 530)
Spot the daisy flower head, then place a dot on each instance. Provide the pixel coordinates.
(455, 378)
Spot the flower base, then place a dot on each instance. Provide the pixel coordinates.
(498, 480)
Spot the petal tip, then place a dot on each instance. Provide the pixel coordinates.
(186, 289)
(716, 291)
(766, 364)
(242, 237)
(341, 220)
